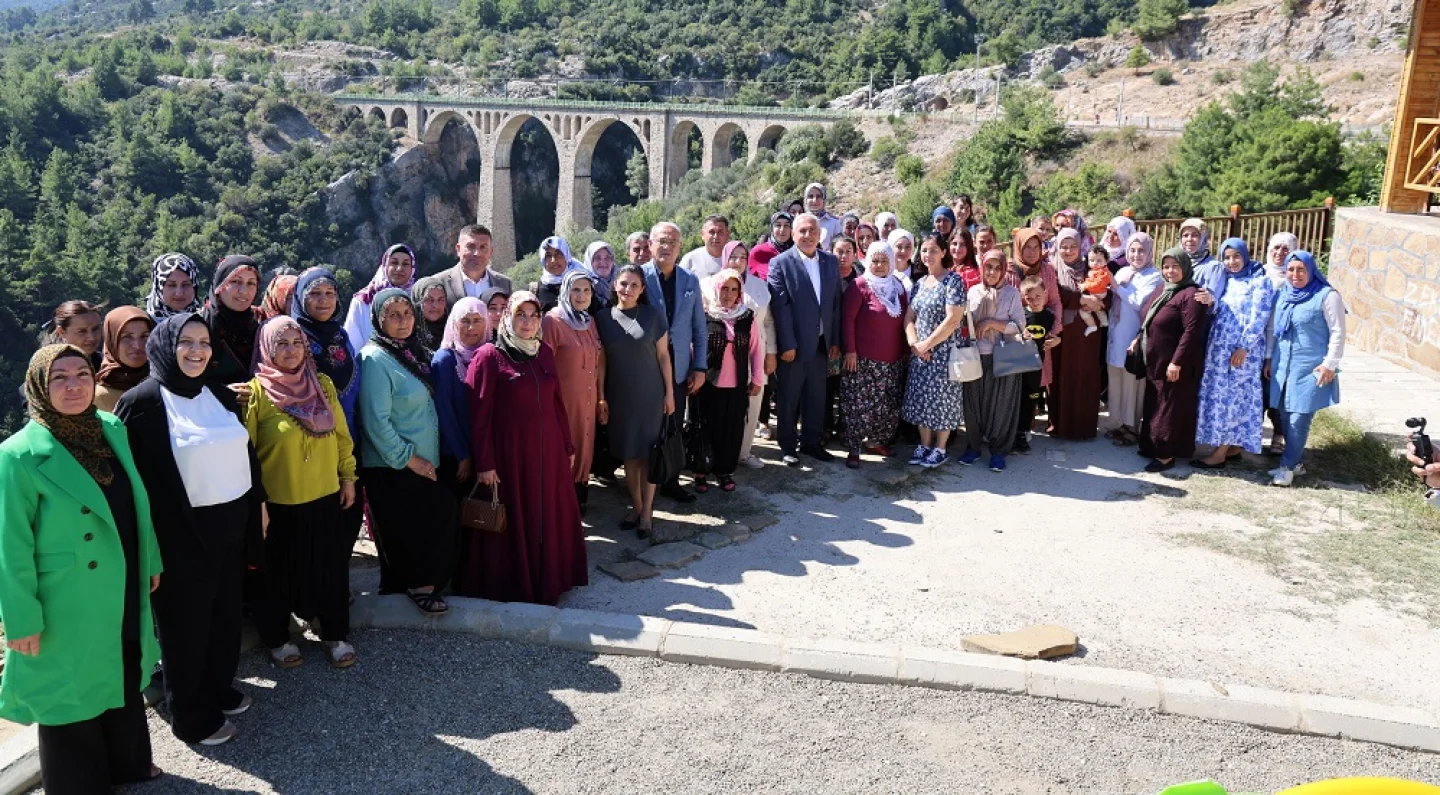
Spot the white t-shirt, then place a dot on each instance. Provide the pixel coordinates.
(700, 263)
(209, 444)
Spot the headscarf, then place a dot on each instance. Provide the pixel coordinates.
(603, 284)
(728, 250)
(783, 247)
(1203, 252)
(1147, 243)
(1292, 243)
(409, 352)
(806, 193)
(1187, 279)
(506, 340)
(433, 331)
(463, 354)
(488, 296)
(1070, 276)
(112, 372)
(80, 434)
(890, 288)
(989, 296)
(944, 212)
(160, 270)
(1292, 296)
(558, 243)
(1250, 269)
(759, 260)
(1123, 228)
(714, 308)
(163, 351)
(297, 393)
(881, 218)
(380, 281)
(329, 344)
(576, 319)
(895, 236)
(277, 296)
(1018, 239)
(231, 331)
(1078, 224)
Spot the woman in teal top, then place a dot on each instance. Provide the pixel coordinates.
(400, 447)
(78, 560)
(1307, 342)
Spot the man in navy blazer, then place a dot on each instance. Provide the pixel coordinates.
(805, 302)
(676, 292)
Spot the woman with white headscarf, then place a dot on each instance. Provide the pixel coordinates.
(902, 249)
(1277, 253)
(600, 260)
(580, 363)
(555, 261)
(736, 348)
(1116, 240)
(872, 334)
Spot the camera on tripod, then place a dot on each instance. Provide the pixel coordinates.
(1421, 442)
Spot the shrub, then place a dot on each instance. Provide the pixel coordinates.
(885, 150)
(1357, 77)
(1222, 77)
(1137, 58)
(1094, 69)
(1050, 78)
(909, 169)
(1162, 77)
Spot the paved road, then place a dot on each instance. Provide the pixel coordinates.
(436, 713)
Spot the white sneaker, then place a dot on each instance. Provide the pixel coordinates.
(753, 461)
(1299, 470)
(763, 432)
(1284, 477)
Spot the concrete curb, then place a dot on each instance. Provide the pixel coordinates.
(20, 762)
(878, 663)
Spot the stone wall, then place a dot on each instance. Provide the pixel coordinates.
(1387, 267)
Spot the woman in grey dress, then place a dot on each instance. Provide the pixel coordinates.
(637, 352)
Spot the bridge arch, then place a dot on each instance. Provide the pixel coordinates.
(377, 114)
(769, 138)
(497, 201)
(678, 160)
(619, 136)
(399, 119)
(437, 123)
(721, 150)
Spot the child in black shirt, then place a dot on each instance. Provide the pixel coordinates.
(1038, 321)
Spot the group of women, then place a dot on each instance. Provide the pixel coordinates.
(276, 428)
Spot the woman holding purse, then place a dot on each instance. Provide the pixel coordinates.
(992, 404)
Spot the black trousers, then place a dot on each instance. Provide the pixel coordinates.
(1032, 400)
(415, 526)
(110, 749)
(767, 400)
(723, 412)
(801, 399)
(307, 571)
(682, 398)
(197, 617)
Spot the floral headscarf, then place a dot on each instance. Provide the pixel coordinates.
(380, 281)
(888, 289)
(160, 270)
(329, 344)
(463, 353)
(519, 350)
(603, 282)
(409, 352)
(559, 244)
(713, 305)
(277, 296)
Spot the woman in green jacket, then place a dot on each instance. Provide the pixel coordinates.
(78, 560)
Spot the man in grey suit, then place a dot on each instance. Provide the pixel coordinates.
(472, 275)
(805, 302)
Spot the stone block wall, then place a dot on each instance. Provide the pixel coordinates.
(1387, 268)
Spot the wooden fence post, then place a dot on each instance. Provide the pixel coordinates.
(1327, 221)
(1234, 220)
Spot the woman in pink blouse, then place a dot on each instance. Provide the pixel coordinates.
(580, 362)
(736, 353)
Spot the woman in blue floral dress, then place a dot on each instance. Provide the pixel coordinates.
(1231, 404)
(932, 326)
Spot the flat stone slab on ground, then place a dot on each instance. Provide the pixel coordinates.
(630, 570)
(672, 555)
(759, 521)
(711, 539)
(734, 531)
(1041, 641)
(889, 476)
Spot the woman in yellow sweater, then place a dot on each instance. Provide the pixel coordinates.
(308, 468)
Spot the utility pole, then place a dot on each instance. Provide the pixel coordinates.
(1120, 106)
(979, 39)
(995, 109)
(870, 97)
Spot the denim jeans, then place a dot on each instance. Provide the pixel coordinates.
(1297, 431)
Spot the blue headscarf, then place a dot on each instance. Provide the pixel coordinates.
(1293, 296)
(943, 212)
(1250, 268)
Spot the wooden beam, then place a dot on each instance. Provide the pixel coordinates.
(1418, 98)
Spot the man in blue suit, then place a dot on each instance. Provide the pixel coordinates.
(677, 292)
(805, 302)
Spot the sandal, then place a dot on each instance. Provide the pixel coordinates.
(429, 602)
(727, 483)
(287, 656)
(700, 485)
(342, 654)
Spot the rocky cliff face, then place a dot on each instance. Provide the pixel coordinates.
(421, 198)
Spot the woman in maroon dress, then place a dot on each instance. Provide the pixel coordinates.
(1075, 369)
(1173, 339)
(522, 446)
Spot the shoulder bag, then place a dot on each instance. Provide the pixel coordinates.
(486, 516)
(965, 358)
(1013, 356)
(667, 454)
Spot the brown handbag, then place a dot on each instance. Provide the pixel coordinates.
(487, 516)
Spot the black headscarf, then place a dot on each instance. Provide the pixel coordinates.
(163, 352)
(409, 352)
(329, 344)
(232, 333)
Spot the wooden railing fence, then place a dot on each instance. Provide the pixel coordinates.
(1311, 225)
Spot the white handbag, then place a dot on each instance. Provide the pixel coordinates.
(965, 359)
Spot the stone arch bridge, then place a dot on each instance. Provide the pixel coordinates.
(663, 132)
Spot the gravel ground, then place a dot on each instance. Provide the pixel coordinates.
(431, 712)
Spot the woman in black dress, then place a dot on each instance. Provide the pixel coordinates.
(1173, 339)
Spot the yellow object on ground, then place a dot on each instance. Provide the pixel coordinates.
(1363, 786)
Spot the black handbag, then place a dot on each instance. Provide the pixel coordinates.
(699, 458)
(1135, 362)
(667, 454)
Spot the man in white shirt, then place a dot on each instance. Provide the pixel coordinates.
(805, 303)
(472, 276)
(705, 261)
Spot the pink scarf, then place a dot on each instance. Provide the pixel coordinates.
(298, 392)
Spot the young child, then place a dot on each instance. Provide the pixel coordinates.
(1038, 321)
(1097, 283)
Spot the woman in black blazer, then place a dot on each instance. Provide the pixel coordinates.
(191, 446)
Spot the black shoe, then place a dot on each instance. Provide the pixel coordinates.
(1022, 447)
(677, 493)
(1158, 466)
(790, 460)
(1200, 463)
(817, 452)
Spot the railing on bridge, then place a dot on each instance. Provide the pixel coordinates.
(1311, 225)
(642, 107)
